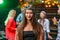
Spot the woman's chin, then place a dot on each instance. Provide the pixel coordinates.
(28, 19)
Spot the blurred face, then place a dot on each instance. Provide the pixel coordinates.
(42, 15)
(59, 10)
(22, 10)
(28, 14)
(13, 14)
(20, 0)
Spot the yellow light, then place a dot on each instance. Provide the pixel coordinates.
(57, 2)
(53, 4)
(49, 5)
(46, 5)
(48, 2)
(58, 5)
(45, 1)
(42, 1)
(26, 4)
(54, 1)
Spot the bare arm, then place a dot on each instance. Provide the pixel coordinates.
(16, 36)
(49, 36)
(48, 30)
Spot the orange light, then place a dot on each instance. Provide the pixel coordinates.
(49, 5)
(57, 2)
(46, 5)
(26, 4)
(45, 1)
(48, 2)
(53, 4)
(20, 0)
(54, 1)
(58, 5)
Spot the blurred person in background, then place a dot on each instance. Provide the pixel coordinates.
(45, 23)
(58, 23)
(20, 16)
(10, 25)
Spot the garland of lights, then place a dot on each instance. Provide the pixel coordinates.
(47, 3)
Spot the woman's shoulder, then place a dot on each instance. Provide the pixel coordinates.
(46, 20)
(10, 19)
(38, 20)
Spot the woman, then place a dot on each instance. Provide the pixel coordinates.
(20, 16)
(58, 24)
(10, 25)
(45, 23)
(29, 29)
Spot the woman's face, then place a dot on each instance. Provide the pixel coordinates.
(28, 14)
(13, 14)
(42, 15)
(59, 10)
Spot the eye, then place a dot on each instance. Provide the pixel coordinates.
(30, 12)
(26, 12)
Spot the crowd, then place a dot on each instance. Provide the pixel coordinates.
(28, 27)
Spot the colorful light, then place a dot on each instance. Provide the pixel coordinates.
(53, 4)
(46, 5)
(45, 1)
(42, 1)
(1, 1)
(48, 2)
(49, 5)
(58, 5)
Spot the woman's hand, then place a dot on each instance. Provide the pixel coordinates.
(49, 37)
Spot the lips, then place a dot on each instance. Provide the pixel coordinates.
(29, 16)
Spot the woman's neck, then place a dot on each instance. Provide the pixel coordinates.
(12, 17)
(42, 19)
(28, 22)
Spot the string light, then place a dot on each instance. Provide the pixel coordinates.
(48, 2)
(58, 5)
(54, 1)
(53, 4)
(49, 5)
(45, 1)
(42, 1)
(57, 2)
(46, 5)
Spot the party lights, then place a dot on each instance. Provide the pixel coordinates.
(1, 1)
(50, 3)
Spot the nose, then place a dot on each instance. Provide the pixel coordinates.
(28, 14)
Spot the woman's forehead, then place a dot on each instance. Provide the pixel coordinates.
(28, 10)
(41, 13)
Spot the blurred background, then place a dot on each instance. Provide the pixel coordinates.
(50, 6)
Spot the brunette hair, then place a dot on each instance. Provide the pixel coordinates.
(37, 28)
